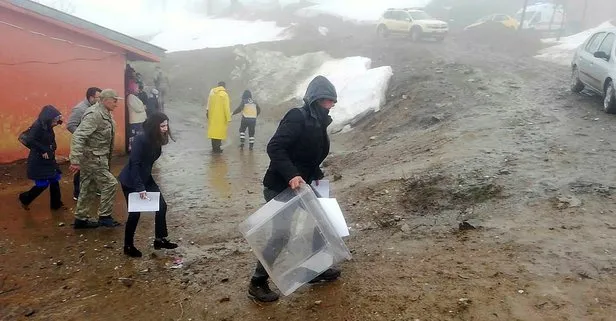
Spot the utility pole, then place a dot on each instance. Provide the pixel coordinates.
(523, 16)
(584, 12)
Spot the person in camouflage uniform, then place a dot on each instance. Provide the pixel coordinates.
(91, 149)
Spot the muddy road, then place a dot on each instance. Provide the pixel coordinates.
(483, 190)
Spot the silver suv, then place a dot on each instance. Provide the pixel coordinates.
(594, 67)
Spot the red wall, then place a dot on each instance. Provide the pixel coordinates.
(59, 76)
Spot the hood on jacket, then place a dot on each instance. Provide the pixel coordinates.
(218, 89)
(48, 113)
(320, 88)
(247, 94)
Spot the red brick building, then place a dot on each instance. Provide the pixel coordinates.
(50, 57)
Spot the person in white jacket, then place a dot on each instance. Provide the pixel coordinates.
(136, 116)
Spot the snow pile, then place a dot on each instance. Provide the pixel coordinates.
(197, 33)
(361, 90)
(351, 10)
(562, 51)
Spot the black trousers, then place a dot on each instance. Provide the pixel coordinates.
(278, 241)
(250, 124)
(160, 220)
(216, 143)
(76, 185)
(55, 196)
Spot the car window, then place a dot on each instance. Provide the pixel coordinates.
(403, 16)
(594, 42)
(388, 15)
(419, 15)
(608, 44)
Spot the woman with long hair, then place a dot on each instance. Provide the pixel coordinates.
(136, 177)
(42, 166)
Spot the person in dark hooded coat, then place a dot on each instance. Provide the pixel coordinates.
(296, 152)
(250, 111)
(42, 166)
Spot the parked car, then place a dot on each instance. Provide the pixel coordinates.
(413, 22)
(594, 67)
(503, 19)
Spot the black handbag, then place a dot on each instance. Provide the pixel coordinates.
(24, 137)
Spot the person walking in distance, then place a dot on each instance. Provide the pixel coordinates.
(136, 177)
(218, 116)
(91, 150)
(162, 84)
(42, 166)
(250, 111)
(296, 151)
(93, 94)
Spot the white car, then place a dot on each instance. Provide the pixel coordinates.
(413, 22)
(594, 67)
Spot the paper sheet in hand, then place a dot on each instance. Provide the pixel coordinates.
(322, 190)
(136, 204)
(334, 213)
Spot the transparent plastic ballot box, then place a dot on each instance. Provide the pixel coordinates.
(293, 238)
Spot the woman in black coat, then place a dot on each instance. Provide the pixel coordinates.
(42, 166)
(136, 177)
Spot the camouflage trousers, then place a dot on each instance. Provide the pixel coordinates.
(95, 176)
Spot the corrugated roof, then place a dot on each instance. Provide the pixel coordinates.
(137, 49)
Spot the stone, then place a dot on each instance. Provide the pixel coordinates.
(29, 312)
(405, 228)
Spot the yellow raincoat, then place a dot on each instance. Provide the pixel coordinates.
(218, 113)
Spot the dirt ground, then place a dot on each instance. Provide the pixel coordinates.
(483, 190)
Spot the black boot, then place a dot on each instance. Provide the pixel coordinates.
(22, 202)
(251, 146)
(108, 221)
(132, 251)
(262, 292)
(26, 198)
(164, 244)
(84, 224)
(328, 276)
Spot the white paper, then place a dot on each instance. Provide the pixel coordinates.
(334, 213)
(151, 204)
(322, 189)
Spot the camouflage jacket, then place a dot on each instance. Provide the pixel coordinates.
(94, 136)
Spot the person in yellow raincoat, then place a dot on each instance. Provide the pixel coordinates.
(218, 116)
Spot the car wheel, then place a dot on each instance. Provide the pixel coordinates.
(576, 84)
(609, 103)
(416, 33)
(382, 31)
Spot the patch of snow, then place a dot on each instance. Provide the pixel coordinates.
(562, 51)
(361, 90)
(198, 33)
(351, 10)
(275, 78)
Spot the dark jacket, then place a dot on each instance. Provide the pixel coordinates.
(247, 100)
(143, 96)
(152, 105)
(42, 139)
(300, 143)
(137, 173)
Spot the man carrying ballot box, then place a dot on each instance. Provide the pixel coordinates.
(296, 151)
